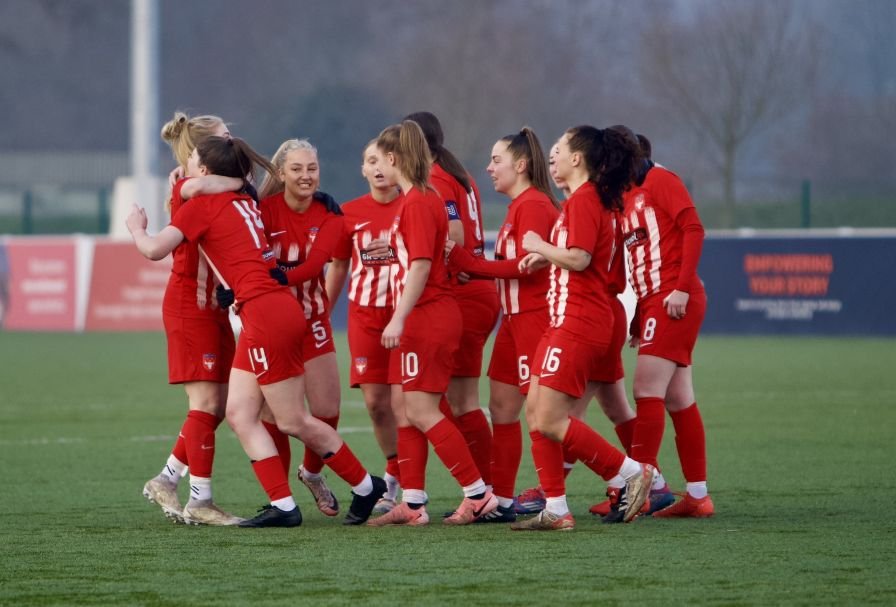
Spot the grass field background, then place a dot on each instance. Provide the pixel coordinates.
(800, 447)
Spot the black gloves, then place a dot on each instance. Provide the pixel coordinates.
(225, 297)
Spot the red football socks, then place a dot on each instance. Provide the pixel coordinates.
(413, 452)
(312, 462)
(272, 478)
(199, 438)
(281, 441)
(648, 434)
(346, 466)
(690, 439)
(449, 445)
(507, 451)
(592, 449)
(474, 427)
(625, 431)
(548, 458)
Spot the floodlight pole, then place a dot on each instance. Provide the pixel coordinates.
(145, 105)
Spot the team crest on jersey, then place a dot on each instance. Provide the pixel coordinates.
(361, 364)
(639, 202)
(312, 234)
(209, 360)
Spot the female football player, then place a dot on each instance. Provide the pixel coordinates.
(598, 166)
(425, 331)
(267, 366)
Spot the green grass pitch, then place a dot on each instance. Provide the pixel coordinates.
(800, 447)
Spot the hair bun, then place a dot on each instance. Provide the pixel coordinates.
(173, 128)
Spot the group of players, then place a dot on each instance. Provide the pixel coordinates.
(423, 300)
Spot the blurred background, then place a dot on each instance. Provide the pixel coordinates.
(776, 114)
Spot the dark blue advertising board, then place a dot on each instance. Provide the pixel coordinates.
(793, 283)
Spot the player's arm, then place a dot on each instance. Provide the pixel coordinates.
(335, 280)
(574, 258)
(418, 273)
(152, 247)
(209, 184)
(461, 260)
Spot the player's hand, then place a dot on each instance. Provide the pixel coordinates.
(462, 278)
(278, 274)
(634, 341)
(328, 201)
(449, 245)
(676, 304)
(532, 263)
(224, 297)
(531, 241)
(378, 248)
(176, 175)
(136, 220)
(392, 333)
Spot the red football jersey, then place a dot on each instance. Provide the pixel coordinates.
(292, 236)
(617, 277)
(367, 220)
(530, 211)
(419, 231)
(652, 238)
(461, 205)
(190, 292)
(580, 300)
(228, 229)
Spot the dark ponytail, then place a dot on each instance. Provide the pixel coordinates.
(435, 139)
(610, 159)
(232, 157)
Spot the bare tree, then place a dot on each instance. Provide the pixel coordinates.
(731, 71)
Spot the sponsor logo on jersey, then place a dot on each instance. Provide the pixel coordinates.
(636, 237)
(360, 364)
(358, 226)
(369, 260)
(453, 213)
(209, 360)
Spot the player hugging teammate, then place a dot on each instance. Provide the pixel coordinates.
(422, 301)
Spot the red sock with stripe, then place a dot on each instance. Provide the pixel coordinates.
(449, 445)
(312, 462)
(648, 434)
(199, 437)
(346, 465)
(507, 451)
(413, 452)
(270, 474)
(392, 467)
(474, 427)
(281, 441)
(548, 458)
(690, 439)
(592, 449)
(180, 446)
(625, 431)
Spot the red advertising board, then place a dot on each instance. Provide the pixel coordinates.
(126, 289)
(41, 287)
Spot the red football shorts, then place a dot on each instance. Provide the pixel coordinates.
(199, 349)
(666, 337)
(563, 361)
(608, 368)
(318, 338)
(514, 349)
(479, 308)
(429, 340)
(369, 359)
(270, 343)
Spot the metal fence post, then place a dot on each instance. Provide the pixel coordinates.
(27, 212)
(103, 204)
(806, 204)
